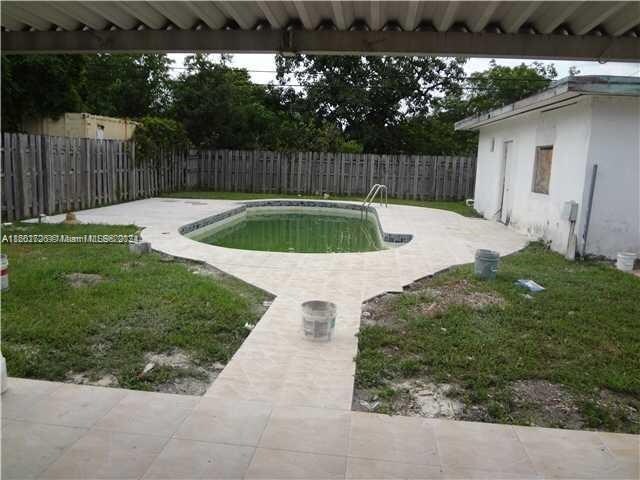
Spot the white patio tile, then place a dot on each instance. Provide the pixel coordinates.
(102, 454)
(220, 420)
(393, 438)
(366, 468)
(29, 448)
(282, 464)
(262, 390)
(482, 446)
(311, 430)
(21, 394)
(148, 413)
(188, 459)
(74, 405)
(574, 454)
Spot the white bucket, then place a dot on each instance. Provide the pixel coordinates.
(625, 261)
(4, 272)
(318, 320)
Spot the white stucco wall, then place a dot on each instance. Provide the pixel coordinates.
(538, 215)
(614, 146)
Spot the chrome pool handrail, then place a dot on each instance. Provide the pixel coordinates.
(371, 196)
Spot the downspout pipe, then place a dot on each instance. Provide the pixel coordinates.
(592, 188)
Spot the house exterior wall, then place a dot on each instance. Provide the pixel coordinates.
(83, 125)
(614, 145)
(538, 215)
(584, 131)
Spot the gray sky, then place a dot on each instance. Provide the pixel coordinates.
(266, 62)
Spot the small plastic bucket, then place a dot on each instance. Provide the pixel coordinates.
(486, 265)
(625, 261)
(319, 320)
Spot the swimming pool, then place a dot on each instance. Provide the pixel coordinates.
(303, 232)
(295, 227)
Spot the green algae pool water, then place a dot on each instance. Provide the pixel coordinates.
(299, 232)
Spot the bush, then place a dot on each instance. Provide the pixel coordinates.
(157, 135)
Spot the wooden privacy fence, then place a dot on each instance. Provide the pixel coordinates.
(49, 175)
(42, 174)
(422, 177)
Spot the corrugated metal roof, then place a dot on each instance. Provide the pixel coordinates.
(559, 91)
(606, 25)
(576, 18)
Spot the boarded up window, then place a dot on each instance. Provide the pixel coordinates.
(542, 169)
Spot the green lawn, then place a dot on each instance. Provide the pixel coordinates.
(144, 305)
(580, 337)
(453, 206)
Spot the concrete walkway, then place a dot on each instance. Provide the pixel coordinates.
(281, 407)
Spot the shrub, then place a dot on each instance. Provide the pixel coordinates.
(157, 135)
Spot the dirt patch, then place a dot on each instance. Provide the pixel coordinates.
(458, 293)
(618, 407)
(530, 402)
(193, 379)
(433, 400)
(189, 378)
(187, 385)
(176, 359)
(82, 280)
(412, 398)
(546, 404)
(428, 301)
(107, 380)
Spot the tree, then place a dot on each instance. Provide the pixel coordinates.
(367, 97)
(500, 85)
(127, 85)
(296, 129)
(35, 86)
(435, 134)
(220, 106)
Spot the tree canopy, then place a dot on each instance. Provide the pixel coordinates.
(368, 97)
(36, 86)
(127, 85)
(321, 103)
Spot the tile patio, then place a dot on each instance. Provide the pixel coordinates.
(281, 407)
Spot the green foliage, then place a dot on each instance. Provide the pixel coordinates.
(131, 86)
(35, 86)
(157, 135)
(368, 97)
(220, 106)
(500, 85)
(342, 103)
(47, 86)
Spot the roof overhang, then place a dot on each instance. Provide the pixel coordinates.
(559, 93)
(556, 30)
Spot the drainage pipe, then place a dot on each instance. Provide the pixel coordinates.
(589, 205)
